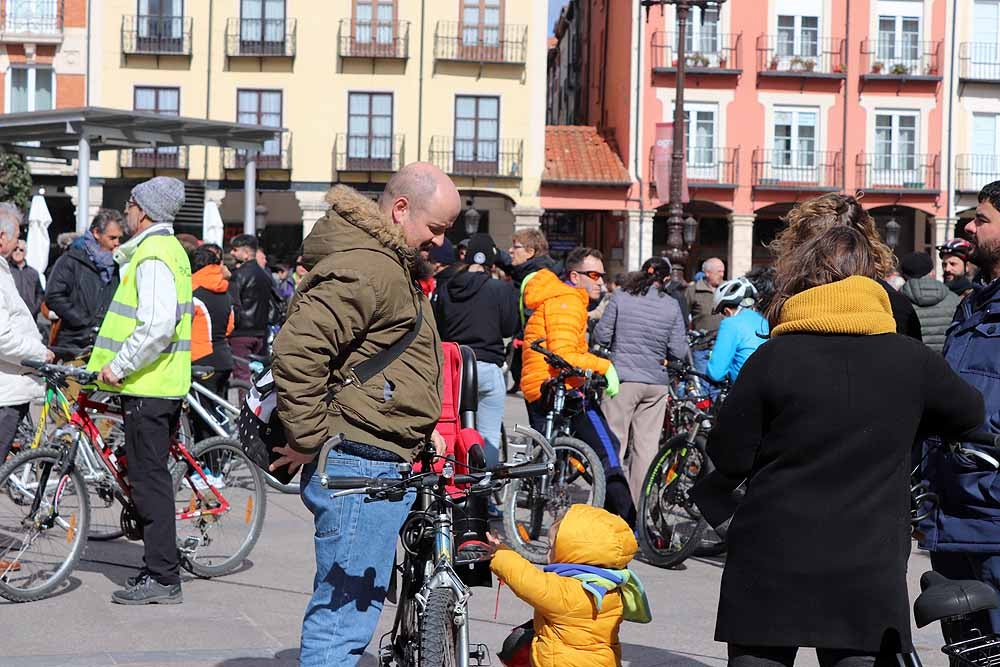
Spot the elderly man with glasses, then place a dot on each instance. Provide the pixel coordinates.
(29, 285)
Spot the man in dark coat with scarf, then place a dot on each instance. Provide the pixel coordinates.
(84, 280)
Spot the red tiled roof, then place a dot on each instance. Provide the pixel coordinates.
(577, 154)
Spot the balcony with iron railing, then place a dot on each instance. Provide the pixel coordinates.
(900, 60)
(973, 171)
(36, 21)
(260, 38)
(162, 158)
(504, 44)
(779, 56)
(156, 35)
(503, 158)
(704, 167)
(276, 155)
(815, 171)
(716, 54)
(388, 40)
(899, 173)
(979, 62)
(368, 153)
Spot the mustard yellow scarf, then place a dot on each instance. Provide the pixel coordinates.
(855, 306)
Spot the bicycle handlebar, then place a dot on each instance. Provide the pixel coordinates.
(373, 485)
(566, 369)
(687, 370)
(56, 373)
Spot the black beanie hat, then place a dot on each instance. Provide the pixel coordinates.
(916, 265)
(481, 250)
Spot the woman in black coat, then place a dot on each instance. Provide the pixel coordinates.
(821, 422)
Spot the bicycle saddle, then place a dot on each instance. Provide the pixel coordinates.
(202, 372)
(945, 598)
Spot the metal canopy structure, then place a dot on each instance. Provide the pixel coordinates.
(75, 134)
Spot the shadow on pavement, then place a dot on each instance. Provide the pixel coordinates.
(288, 657)
(68, 586)
(634, 655)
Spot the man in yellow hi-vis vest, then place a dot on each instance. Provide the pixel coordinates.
(143, 351)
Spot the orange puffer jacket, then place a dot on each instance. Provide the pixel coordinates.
(560, 317)
(570, 631)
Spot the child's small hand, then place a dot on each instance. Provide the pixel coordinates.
(495, 543)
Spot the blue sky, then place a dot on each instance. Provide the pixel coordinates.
(554, 7)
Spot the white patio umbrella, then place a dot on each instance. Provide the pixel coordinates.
(211, 224)
(39, 219)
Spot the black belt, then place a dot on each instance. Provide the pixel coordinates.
(369, 452)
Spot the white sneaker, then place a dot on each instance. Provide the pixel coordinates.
(199, 482)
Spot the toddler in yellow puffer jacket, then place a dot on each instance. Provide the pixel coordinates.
(584, 593)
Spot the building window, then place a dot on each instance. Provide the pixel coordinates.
(164, 101)
(160, 25)
(899, 42)
(477, 134)
(984, 52)
(699, 137)
(794, 142)
(262, 107)
(798, 36)
(482, 23)
(369, 131)
(262, 27)
(33, 16)
(896, 146)
(31, 89)
(373, 21)
(983, 165)
(702, 31)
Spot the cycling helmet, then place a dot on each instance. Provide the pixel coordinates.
(958, 247)
(735, 293)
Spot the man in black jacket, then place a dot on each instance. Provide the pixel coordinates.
(252, 290)
(83, 281)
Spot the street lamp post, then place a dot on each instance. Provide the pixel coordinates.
(677, 236)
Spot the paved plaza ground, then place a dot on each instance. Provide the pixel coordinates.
(251, 618)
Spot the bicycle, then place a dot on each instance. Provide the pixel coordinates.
(670, 527)
(431, 626)
(532, 505)
(45, 511)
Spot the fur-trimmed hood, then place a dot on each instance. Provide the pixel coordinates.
(354, 221)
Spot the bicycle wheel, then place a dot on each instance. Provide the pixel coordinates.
(670, 527)
(215, 544)
(438, 632)
(38, 552)
(533, 504)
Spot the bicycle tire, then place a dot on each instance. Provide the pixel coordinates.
(438, 632)
(678, 465)
(14, 506)
(525, 536)
(217, 555)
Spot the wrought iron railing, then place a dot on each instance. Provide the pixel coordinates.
(374, 39)
(790, 169)
(276, 154)
(780, 56)
(503, 43)
(716, 52)
(973, 171)
(896, 172)
(31, 17)
(503, 158)
(368, 153)
(163, 157)
(704, 166)
(900, 58)
(979, 61)
(260, 38)
(156, 35)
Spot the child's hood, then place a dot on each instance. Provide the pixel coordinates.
(592, 536)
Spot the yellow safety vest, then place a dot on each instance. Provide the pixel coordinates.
(169, 376)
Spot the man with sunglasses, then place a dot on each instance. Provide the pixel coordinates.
(29, 286)
(559, 315)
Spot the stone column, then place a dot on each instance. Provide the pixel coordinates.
(526, 217)
(314, 206)
(740, 259)
(638, 238)
(942, 232)
(94, 200)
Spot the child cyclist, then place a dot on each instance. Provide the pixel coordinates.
(583, 595)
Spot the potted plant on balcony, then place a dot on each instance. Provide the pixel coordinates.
(900, 69)
(773, 65)
(838, 68)
(697, 60)
(723, 60)
(809, 64)
(796, 64)
(931, 70)
(877, 67)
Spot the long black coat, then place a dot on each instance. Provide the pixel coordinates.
(823, 426)
(77, 294)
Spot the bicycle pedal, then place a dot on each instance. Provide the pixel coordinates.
(480, 656)
(189, 545)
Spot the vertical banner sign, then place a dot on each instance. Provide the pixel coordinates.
(662, 159)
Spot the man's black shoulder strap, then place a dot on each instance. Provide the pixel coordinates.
(369, 368)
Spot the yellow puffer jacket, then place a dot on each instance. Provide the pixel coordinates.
(569, 630)
(560, 317)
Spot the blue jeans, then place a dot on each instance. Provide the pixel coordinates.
(489, 416)
(700, 359)
(355, 545)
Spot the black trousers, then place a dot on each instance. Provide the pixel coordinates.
(150, 424)
(10, 417)
(784, 656)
